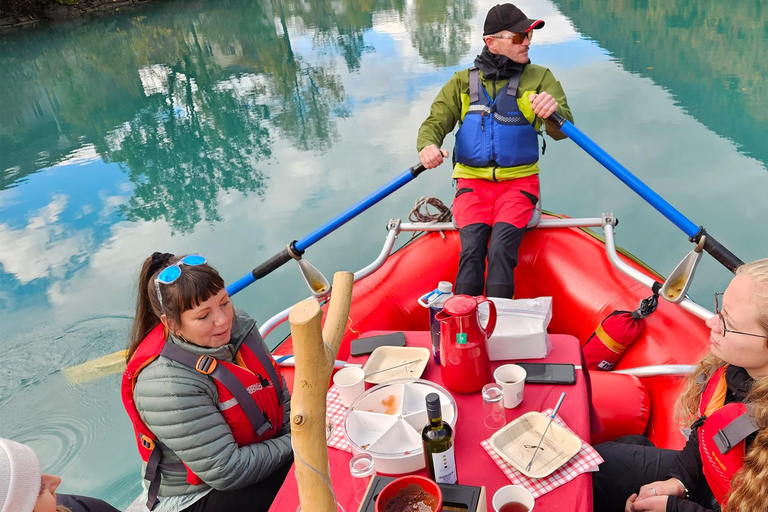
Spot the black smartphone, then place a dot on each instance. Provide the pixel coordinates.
(549, 373)
(364, 346)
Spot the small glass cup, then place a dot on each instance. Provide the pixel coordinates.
(361, 469)
(493, 406)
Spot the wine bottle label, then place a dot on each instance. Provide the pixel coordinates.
(445, 467)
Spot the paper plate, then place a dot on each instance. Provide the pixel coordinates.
(387, 357)
(387, 420)
(517, 442)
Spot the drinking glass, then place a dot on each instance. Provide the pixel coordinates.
(361, 468)
(493, 406)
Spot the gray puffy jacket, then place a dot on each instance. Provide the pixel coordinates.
(179, 405)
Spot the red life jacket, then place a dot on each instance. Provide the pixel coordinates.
(250, 397)
(722, 435)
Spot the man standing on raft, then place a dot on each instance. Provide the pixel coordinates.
(499, 103)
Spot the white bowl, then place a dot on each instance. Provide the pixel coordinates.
(386, 422)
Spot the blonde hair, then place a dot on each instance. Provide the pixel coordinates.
(747, 492)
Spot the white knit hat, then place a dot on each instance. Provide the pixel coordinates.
(19, 477)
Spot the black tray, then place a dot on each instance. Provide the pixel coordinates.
(456, 498)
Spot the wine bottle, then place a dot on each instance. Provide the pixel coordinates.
(437, 437)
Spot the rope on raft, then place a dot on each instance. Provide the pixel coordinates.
(443, 213)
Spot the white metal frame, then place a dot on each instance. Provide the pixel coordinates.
(607, 222)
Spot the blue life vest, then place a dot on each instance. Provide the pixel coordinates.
(494, 133)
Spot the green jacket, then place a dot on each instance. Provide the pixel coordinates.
(179, 405)
(452, 103)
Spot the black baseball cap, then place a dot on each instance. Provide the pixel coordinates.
(508, 17)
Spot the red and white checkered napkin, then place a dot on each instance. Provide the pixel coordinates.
(336, 411)
(586, 460)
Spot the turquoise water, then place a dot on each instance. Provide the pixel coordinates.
(233, 127)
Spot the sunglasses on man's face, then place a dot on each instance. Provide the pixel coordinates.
(172, 272)
(516, 37)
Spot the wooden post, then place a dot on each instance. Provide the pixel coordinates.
(314, 353)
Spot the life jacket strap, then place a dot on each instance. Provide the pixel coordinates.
(258, 418)
(258, 349)
(152, 474)
(514, 81)
(736, 431)
(474, 82)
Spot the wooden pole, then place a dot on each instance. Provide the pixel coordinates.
(314, 353)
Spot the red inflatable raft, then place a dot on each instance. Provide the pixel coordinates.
(571, 266)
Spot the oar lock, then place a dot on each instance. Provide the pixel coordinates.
(317, 283)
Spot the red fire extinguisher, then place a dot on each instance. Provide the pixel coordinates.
(615, 333)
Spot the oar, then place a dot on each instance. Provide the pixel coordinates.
(295, 249)
(695, 233)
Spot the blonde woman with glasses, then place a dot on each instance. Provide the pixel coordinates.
(724, 464)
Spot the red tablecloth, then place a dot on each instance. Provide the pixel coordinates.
(473, 464)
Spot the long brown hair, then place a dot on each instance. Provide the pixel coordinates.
(747, 485)
(196, 284)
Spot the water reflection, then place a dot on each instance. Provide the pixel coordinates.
(232, 127)
(712, 56)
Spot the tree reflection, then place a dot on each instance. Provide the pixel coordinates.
(189, 97)
(440, 30)
(191, 144)
(711, 55)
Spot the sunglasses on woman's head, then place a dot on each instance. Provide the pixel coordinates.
(172, 272)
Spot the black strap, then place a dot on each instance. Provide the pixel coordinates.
(474, 85)
(153, 475)
(257, 347)
(736, 431)
(514, 81)
(256, 416)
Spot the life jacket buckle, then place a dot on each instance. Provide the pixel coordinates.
(724, 441)
(147, 442)
(206, 364)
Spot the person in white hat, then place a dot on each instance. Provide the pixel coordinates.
(20, 479)
(24, 488)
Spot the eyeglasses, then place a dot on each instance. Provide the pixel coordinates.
(516, 37)
(726, 330)
(172, 272)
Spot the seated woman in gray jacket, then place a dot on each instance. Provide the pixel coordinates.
(208, 404)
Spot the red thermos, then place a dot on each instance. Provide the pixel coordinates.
(464, 363)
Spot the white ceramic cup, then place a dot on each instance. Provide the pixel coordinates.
(350, 382)
(511, 378)
(510, 493)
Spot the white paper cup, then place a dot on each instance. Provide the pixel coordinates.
(510, 493)
(511, 378)
(350, 384)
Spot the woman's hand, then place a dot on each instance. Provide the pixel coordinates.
(670, 487)
(653, 496)
(652, 504)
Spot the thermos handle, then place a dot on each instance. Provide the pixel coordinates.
(491, 317)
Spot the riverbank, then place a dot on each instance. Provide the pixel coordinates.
(18, 13)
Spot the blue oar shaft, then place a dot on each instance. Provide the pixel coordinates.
(355, 210)
(299, 246)
(632, 181)
(695, 233)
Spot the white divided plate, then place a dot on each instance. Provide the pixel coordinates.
(386, 421)
(387, 357)
(517, 441)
